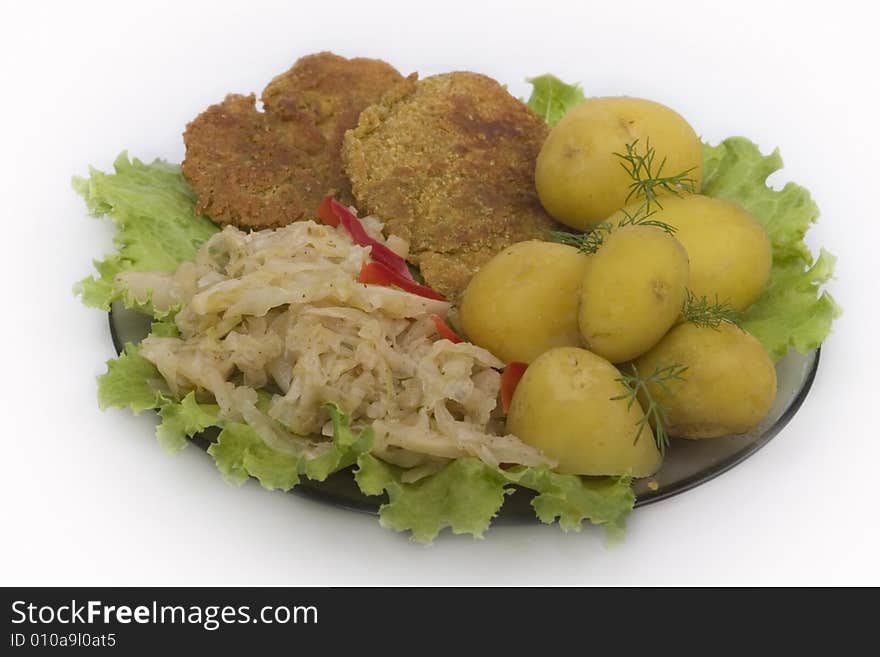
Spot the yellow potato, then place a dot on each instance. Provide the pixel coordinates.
(524, 301)
(729, 252)
(634, 289)
(563, 406)
(729, 385)
(579, 179)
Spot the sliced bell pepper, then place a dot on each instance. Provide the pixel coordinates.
(444, 330)
(377, 273)
(333, 213)
(509, 380)
(326, 214)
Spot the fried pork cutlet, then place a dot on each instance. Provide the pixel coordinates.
(266, 169)
(448, 163)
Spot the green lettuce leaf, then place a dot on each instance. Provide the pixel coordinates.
(605, 501)
(131, 381)
(153, 208)
(347, 447)
(165, 328)
(240, 452)
(551, 98)
(464, 496)
(184, 418)
(737, 171)
(792, 311)
(788, 313)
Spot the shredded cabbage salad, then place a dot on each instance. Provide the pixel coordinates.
(269, 337)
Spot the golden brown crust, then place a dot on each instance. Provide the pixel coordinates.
(448, 162)
(266, 169)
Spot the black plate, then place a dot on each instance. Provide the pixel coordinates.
(688, 463)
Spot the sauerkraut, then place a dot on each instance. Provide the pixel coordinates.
(274, 325)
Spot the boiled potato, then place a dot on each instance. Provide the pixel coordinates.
(729, 252)
(524, 301)
(578, 176)
(563, 406)
(633, 291)
(728, 387)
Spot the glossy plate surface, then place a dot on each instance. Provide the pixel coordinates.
(688, 463)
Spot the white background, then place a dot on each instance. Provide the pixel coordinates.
(89, 498)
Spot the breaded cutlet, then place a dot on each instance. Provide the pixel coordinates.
(448, 163)
(263, 169)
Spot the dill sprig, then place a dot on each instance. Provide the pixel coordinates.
(702, 312)
(642, 217)
(647, 181)
(588, 242)
(655, 413)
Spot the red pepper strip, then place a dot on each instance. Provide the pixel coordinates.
(509, 380)
(325, 212)
(333, 213)
(376, 273)
(444, 330)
